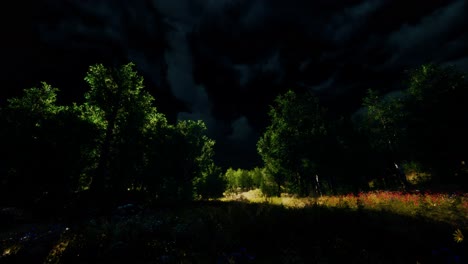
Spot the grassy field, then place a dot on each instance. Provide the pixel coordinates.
(378, 227)
(440, 207)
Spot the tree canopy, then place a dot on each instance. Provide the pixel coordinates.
(292, 144)
(115, 141)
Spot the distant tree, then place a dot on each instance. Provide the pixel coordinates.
(197, 166)
(257, 175)
(358, 160)
(243, 180)
(231, 181)
(211, 183)
(384, 117)
(385, 126)
(180, 162)
(293, 143)
(268, 185)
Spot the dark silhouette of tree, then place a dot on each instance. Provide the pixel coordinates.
(114, 143)
(384, 124)
(437, 121)
(425, 123)
(46, 148)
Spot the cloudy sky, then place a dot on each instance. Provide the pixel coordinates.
(223, 61)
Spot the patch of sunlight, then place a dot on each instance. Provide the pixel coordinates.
(253, 194)
(250, 196)
(447, 208)
(11, 250)
(57, 251)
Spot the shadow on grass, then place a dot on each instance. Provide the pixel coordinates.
(240, 232)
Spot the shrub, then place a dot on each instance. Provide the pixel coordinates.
(415, 174)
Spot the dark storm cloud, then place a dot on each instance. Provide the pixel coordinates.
(269, 65)
(338, 49)
(439, 36)
(241, 130)
(345, 23)
(183, 17)
(85, 24)
(459, 63)
(245, 73)
(180, 76)
(112, 32)
(255, 14)
(187, 16)
(323, 86)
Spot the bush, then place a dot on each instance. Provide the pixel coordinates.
(268, 185)
(415, 174)
(240, 180)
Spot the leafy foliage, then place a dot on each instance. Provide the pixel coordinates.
(293, 144)
(114, 142)
(384, 120)
(46, 147)
(423, 124)
(437, 122)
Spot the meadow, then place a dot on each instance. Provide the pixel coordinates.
(375, 227)
(439, 207)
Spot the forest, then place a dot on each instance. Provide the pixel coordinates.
(109, 178)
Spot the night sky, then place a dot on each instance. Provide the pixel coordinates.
(224, 61)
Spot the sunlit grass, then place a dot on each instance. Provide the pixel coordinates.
(57, 251)
(12, 250)
(448, 208)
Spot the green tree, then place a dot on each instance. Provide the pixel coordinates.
(46, 148)
(268, 185)
(424, 124)
(127, 110)
(437, 123)
(116, 141)
(384, 117)
(180, 162)
(293, 144)
(256, 174)
(197, 160)
(26, 123)
(231, 182)
(384, 123)
(210, 184)
(244, 180)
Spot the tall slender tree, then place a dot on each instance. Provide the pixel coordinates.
(293, 143)
(119, 93)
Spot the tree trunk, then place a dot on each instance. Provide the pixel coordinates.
(317, 185)
(401, 176)
(98, 183)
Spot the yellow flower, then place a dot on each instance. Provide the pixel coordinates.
(458, 236)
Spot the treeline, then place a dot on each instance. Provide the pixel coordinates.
(413, 138)
(115, 142)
